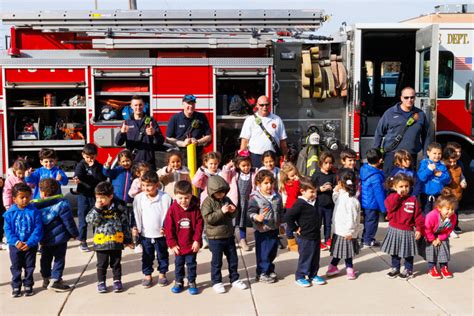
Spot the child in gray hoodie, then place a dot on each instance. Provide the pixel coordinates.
(218, 212)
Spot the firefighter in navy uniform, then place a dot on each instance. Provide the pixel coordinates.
(141, 134)
(189, 127)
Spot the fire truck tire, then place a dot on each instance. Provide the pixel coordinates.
(317, 77)
(306, 63)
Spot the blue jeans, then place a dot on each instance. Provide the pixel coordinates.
(22, 260)
(266, 248)
(58, 252)
(191, 264)
(371, 223)
(308, 262)
(396, 262)
(220, 247)
(150, 247)
(326, 213)
(84, 205)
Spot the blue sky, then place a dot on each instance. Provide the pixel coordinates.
(349, 11)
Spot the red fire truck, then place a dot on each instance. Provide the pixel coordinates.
(67, 75)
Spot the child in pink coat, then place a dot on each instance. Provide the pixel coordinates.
(439, 223)
(19, 169)
(241, 178)
(210, 167)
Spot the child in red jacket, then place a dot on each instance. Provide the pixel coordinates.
(403, 213)
(183, 227)
(289, 188)
(439, 223)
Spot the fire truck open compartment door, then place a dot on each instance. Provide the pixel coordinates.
(426, 75)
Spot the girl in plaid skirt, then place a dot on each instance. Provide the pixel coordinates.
(439, 223)
(346, 219)
(403, 213)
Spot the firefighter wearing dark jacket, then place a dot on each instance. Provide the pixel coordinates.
(393, 122)
(141, 135)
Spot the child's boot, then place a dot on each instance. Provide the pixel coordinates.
(292, 245)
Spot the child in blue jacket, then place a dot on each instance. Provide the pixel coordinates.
(372, 195)
(433, 177)
(120, 176)
(23, 229)
(58, 228)
(48, 160)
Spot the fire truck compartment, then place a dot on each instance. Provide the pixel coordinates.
(387, 66)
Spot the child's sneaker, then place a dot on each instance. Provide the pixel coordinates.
(351, 275)
(374, 243)
(83, 246)
(392, 274)
(193, 290)
(58, 286)
(318, 280)
(332, 270)
(265, 278)
(28, 290)
(101, 287)
(16, 292)
(178, 287)
(219, 288)
(406, 275)
(434, 273)
(45, 283)
(457, 230)
(239, 284)
(322, 246)
(162, 280)
(446, 273)
(273, 275)
(147, 282)
(454, 235)
(118, 287)
(303, 283)
(3, 246)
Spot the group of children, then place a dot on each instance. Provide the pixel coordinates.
(153, 211)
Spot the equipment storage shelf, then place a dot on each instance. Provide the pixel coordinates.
(48, 116)
(113, 90)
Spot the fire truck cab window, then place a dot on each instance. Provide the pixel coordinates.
(389, 71)
(446, 72)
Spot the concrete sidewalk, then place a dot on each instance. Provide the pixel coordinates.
(371, 293)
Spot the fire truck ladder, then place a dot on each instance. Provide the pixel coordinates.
(122, 29)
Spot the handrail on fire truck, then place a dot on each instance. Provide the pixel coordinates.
(173, 28)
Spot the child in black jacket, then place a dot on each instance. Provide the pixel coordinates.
(88, 174)
(112, 232)
(324, 179)
(305, 220)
